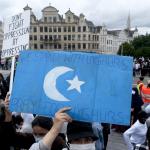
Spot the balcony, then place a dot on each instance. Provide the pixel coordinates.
(50, 41)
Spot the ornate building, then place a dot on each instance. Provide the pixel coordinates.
(72, 32)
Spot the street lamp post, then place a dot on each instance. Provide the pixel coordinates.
(122, 50)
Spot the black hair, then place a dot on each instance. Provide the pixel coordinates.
(141, 78)
(142, 114)
(43, 122)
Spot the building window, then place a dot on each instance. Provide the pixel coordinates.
(92, 46)
(79, 37)
(55, 37)
(54, 19)
(55, 29)
(84, 46)
(41, 37)
(45, 19)
(34, 29)
(55, 46)
(50, 19)
(41, 29)
(69, 37)
(111, 42)
(59, 46)
(93, 38)
(97, 38)
(46, 37)
(97, 46)
(79, 46)
(59, 29)
(69, 29)
(65, 37)
(35, 37)
(35, 46)
(69, 46)
(45, 29)
(79, 29)
(50, 29)
(65, 29)
(89, 38)
(50, 38)
(84, 28)
(73, 37)
(73, 29)
(41, 46)
(59, 37)
(69, 19)
(30, 37)
(73, 46)
(84, 37)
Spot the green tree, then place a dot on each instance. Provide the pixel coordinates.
(126, 49)
(140, 46)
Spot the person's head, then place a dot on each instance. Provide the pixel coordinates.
(41, 125)
(141, 78)
(18, 121)
(80, 136)
(142, 116)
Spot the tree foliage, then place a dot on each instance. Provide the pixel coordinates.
(140, 46)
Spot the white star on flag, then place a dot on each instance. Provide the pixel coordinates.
(75, 84)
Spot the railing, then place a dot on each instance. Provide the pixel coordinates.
(50, 41)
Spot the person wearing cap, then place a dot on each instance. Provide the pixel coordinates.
(80, 136)
(136, 134)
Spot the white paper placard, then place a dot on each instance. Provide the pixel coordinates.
(16, 34)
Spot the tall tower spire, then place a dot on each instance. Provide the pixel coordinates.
(129, 22)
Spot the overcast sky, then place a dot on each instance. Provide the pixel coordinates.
(112, 13)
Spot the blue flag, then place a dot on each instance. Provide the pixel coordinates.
(97, 87)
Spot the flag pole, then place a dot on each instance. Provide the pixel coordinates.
(12, 74)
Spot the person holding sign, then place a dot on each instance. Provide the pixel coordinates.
(47, 141)
(9, 137)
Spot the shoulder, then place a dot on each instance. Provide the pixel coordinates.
(39, 146)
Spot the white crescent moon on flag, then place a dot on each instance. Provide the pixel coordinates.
(50, 83)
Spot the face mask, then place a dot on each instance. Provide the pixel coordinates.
(38, 138)
(90, 146)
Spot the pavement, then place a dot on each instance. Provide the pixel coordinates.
(116, 142)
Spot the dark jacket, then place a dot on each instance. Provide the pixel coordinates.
(9, 137)
(3, 89)
(136, 103)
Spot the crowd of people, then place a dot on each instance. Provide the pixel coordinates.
(19, 131)
(141, 66)
(137, 137)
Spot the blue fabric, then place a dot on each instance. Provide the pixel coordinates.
(104, 86)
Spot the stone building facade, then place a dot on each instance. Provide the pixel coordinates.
(74, 33)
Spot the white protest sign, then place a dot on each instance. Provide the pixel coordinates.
(16, 34)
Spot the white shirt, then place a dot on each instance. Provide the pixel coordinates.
(135, 134)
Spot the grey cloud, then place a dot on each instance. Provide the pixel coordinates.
(113, 13)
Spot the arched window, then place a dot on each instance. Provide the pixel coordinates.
(69, 19)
